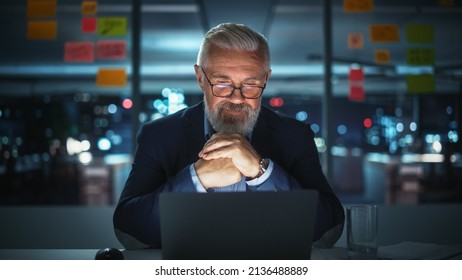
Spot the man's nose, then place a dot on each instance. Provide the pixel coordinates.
(237, 96)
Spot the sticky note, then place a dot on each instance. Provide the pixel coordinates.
(420, 56)
(112, 26)
(89, 24)
(355, 40)
(421, 83)
(381, 56)
(42, 30)
(41, 8)
(384, 33)
(446, 2)
(89, 8)
(116, 77)
(356, 93)
(420, 33)
(111, 49)
(79, 52)
(356, 75)
(355, 6)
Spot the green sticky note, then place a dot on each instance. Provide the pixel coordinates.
(420, 33)
(420, 56)
(112, 26)
(424, 83)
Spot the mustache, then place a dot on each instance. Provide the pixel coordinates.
(233, 107)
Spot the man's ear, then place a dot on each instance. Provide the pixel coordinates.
(199, 76)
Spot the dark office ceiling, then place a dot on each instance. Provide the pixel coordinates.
(172, 30)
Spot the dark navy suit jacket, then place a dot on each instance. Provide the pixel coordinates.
(166, 148)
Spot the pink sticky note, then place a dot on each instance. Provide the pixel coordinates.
(111, 49)
(79, 52)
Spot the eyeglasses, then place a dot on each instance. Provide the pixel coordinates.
(222, 90)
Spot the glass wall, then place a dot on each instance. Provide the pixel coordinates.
(67, 106)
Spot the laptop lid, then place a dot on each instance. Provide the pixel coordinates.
(238, 225)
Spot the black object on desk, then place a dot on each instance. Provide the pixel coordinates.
(109, 254)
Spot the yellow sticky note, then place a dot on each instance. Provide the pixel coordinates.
(116, 77)
(41, 8)
(89, 8)
(420, 56)
(384, 33)
(355, 40)
(420, 33)
(42, 30)
(357, 6)
(382, 56)
(421, 83)
(112, 26)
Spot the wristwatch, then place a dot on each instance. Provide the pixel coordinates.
(264, 162)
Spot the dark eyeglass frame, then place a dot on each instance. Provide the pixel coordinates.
(234, 88)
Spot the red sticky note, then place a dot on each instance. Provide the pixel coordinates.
(89, 24)
(356, 93)
(111, 49)
(79, 52)
(356, 75)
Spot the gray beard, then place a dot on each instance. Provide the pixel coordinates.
(232, 124)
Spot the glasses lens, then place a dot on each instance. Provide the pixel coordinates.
(222, 90)
(247, 92)
(251, 92)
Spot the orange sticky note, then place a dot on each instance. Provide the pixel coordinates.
(355, 40)
(357, 6)
(111, 49)
(384, 33)
(382, 56)
(116, 77)
(79, 52)
(42, 30)
(89, 8)
(41, 8)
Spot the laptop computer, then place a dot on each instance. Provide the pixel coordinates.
(238, 225)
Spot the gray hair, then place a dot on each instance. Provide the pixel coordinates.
(236, 37)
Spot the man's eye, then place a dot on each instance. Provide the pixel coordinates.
(221, 86)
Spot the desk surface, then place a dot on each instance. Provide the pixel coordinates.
(412, 251)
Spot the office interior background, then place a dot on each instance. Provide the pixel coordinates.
(379, 82)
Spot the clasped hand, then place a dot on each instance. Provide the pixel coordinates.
(224, 159)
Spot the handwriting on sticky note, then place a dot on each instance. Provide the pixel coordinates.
(112, 26)
(384, 33)
(420, 33)
(420, 56)
(41, 9)
(355, 40)
(42, 30)
(79, 52)
(89, 8)
(111, 49)
(114, 77)
(382, 56)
